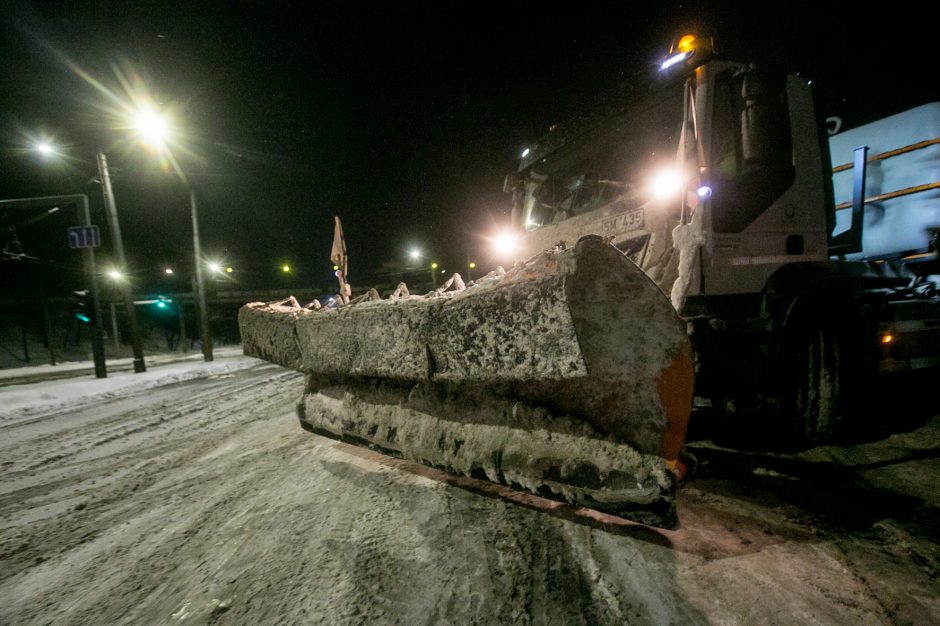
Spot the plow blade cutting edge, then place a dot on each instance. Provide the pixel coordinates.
(569, 376)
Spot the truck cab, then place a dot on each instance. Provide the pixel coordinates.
(720, 186)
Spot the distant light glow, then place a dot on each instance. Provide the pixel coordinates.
(214, 267)
(115, 274)
(229, 270)
(285, 268)
(415, 254)
(433, 266)
(168, 270)
(525, 153)
(161, 304)
(335, 267)
(704, 192)
(473, 265)
(887, 338)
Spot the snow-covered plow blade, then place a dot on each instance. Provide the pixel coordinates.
(569, 376)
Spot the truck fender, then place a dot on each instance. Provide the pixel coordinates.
(799, 288)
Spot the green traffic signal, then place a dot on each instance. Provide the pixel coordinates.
(81, 308)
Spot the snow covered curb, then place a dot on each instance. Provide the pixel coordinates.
(28, 401)
(74, 366)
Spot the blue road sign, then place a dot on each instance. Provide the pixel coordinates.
(84, 237)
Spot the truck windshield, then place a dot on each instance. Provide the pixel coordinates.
(607, 164)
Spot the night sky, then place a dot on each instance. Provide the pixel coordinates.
(401, 118)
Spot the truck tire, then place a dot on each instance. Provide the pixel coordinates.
(816, 384)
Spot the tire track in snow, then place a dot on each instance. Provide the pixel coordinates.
(88, 485)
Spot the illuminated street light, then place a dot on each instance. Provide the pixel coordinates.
(285, 268)
(415, 254)
(152, 126)
(45, 149)
(214, 267)
(116, 275)
(168, 271)
(229, 270)
(154, 129)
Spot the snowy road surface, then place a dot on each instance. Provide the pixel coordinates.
(190, 495)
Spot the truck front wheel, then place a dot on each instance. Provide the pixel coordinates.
(812, 395)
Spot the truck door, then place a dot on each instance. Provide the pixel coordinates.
(764, 167)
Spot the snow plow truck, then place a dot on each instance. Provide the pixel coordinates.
(716, 239)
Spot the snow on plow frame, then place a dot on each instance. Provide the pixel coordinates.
(569, 376)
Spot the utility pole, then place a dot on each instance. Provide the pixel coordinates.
(132, 329)
(184, 341)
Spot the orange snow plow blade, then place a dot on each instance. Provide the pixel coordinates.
(569, 376)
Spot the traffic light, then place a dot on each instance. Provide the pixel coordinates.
(82, 306)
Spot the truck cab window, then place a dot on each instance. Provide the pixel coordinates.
(751, 153)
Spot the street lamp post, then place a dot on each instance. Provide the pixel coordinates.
(133, 330)
(154, 128)
(200, 283)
